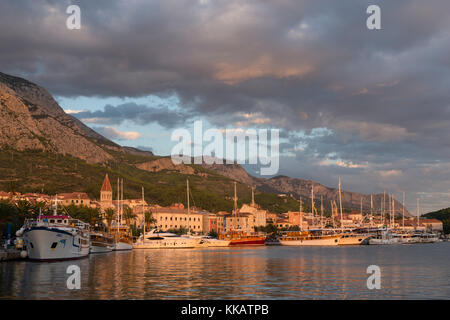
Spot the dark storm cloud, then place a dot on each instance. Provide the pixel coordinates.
(304, 65)
(138, 113)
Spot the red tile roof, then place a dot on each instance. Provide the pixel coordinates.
(106, 184)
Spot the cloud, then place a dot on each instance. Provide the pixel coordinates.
(137, 113)
(381, 98)
(115, 134)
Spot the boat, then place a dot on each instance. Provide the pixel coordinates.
(101, 242)
(208, 241)
(407, 238)
(55, 237)
(429, 238)
(309, 238)
(122, 239)
(383, 237)
(238, 237)
(165, 240)
(353, 239)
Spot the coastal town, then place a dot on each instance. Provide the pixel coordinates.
(249, 218)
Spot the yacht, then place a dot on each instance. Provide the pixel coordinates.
(309, 238)
(407, 238)
(165, 240)
(383, 237)
(101, 242)
(209, 241)
(55, 237)
(429, 238)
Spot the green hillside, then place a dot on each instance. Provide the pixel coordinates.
(50, 173)
(442, 215)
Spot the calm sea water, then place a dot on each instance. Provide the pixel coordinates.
(420, 271)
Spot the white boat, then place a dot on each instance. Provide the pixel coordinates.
(309, 238)
(384, 237)
(101, 243)
(165, 240)
(122, 246)
(407, 238)
(208, 241)
(429, 238)
(56, 237)
(353, 239)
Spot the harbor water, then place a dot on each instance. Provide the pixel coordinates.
(420, 271)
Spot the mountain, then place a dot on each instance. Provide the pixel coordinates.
(44, 149)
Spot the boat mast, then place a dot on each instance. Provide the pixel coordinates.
(390, 210)
(118, 201)
(188, 206)
(332, 213)
(340, 203)
(300, 213)
(235, 205)
(143, 211)
(253, 196)
(312, 200)
(121, 202)
(55, 210)
(418, 213)
(321, 211)
(371, 208)
(384, 207)
(403, 211)
(393, 211)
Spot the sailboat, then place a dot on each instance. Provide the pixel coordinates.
(122, 238)
(239, 237)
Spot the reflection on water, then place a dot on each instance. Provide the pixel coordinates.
(408, 272)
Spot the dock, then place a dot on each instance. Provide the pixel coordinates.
(9, 254)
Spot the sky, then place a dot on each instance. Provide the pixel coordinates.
(369, 106)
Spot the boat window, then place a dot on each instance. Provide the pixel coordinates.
(59, 221)
(52, 221)
(31, 245)
(54, 244)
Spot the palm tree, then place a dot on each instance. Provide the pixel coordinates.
(129, 215)
(149, 220)
(109, 216)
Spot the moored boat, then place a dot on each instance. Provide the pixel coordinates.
(309, 238)
(165, 240)
(101, 242)
(208, 241)
(57, 237)
(347, 239)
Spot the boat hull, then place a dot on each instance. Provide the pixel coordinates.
(47, 244)
(168, 244)
(122, 246)
(100, 248)
(329, 241)
(248, 242)
(383, 241)
(215, 243)
(352, 240)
